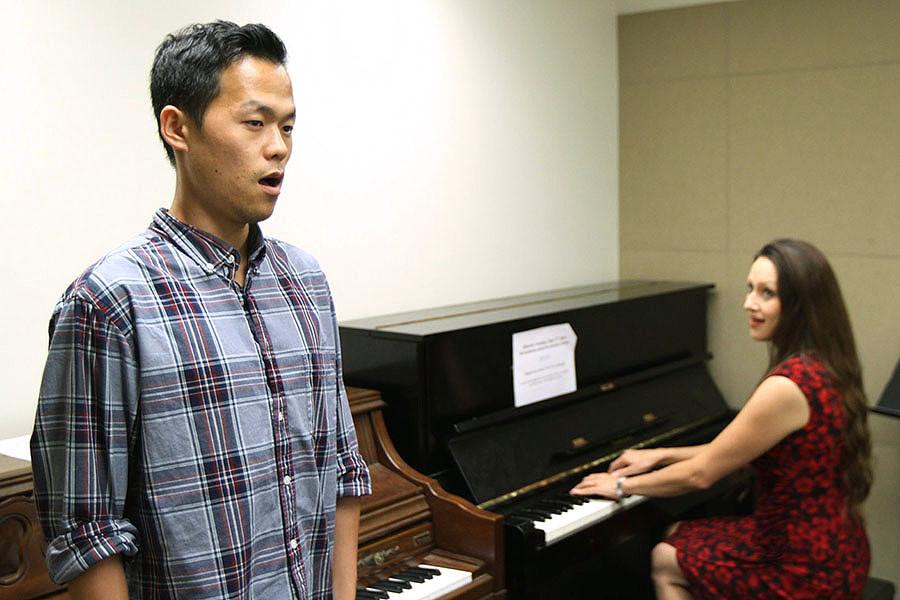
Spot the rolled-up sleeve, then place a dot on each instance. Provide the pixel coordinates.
(81, 440)
(352, 473)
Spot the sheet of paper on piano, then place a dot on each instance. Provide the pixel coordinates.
(543, 363)
(16, 447)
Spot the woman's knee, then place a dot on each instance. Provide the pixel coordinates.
(664, 562)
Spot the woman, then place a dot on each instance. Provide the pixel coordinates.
(803, 429)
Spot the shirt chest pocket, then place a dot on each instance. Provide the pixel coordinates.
(310, 392)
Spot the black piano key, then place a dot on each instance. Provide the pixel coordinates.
(577, 499)
(409, 576)
(428, 572)
(550, 508)
(364, 594)
(379, 594)
(387, 586)
(512, 519)
(562, 500)
(550, 512)
(401, 582)
(530, 515)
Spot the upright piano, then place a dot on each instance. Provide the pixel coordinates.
(416, 541)
(642, 380)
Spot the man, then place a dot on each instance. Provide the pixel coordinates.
(192, 438)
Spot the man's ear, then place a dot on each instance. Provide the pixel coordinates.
(174, 127)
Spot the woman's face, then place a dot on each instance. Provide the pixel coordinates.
(762, 303)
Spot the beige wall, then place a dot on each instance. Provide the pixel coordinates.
(742, 122)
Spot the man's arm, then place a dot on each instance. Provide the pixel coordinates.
(81, 441)
(346, 533)
(353, 481)
(104, 580)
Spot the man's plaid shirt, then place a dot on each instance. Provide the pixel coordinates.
(197, 427)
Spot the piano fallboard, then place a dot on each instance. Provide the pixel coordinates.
(529, 449)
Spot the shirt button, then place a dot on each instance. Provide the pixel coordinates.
(230, 259)
(294, 544)
(210, 267)
(280, 415)
(287, 480)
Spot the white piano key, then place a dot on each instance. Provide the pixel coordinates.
(582, 516)
(437, 586)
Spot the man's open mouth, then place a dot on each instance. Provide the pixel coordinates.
(271, 180)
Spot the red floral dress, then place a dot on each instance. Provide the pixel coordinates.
(800, 542)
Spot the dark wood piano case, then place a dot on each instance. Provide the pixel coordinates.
(409, 519)
(23, 574)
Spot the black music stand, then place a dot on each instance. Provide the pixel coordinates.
(889, 403)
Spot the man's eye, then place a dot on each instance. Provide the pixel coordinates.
(288, 129)
(254, 123)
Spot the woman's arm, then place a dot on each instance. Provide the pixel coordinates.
(775, 410)
(635, 462)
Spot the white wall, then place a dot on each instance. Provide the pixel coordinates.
(445, 150)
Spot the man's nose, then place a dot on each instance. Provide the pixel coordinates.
(277, 145)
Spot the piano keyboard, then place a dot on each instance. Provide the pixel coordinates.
(423, 582)
(561, 516)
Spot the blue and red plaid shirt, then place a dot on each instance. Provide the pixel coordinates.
(198, 427)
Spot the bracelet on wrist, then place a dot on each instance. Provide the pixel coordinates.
(620, 490)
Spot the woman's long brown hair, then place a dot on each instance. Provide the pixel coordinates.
(814, 321)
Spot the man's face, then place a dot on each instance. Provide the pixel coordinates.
(235, 163)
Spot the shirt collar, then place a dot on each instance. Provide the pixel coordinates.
(209, 251)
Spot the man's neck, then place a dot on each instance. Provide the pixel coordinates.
(237, 235)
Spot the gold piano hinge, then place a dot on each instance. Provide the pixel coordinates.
(649, 417)
(562, 475)
(423, 539)
(605, 387)
(377, 558)
(578, 443)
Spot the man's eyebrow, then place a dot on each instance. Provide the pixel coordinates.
(256, 106)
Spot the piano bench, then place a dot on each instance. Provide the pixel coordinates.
(878, 589)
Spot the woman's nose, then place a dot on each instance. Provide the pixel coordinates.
(748, 302)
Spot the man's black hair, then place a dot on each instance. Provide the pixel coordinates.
(189, 63)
